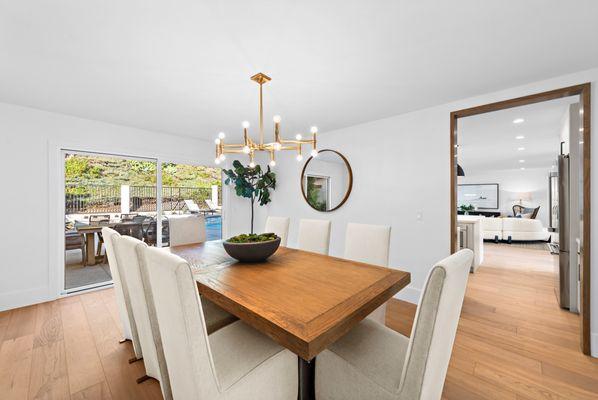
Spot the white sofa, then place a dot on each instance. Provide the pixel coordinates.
(520, 229)
(492, 228)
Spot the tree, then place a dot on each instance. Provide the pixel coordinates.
(251, 183)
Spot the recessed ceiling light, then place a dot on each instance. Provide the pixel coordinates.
(518, 120)
(520, 148)
(519, 137)
(522, 168)
(521, 161)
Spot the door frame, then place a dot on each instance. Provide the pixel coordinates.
(583, 91)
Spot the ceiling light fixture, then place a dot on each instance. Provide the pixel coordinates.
(519, 137)
(520, 148)
(522, 168)
(518, 120)
(522, 161)
(249, 147)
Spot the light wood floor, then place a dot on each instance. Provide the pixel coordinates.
(513, 342)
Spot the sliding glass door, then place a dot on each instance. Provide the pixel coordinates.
(133, 196)
(194, 189)
(104, 190)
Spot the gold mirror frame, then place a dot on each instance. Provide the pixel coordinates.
(347, 193)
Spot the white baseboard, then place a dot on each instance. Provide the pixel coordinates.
(409, 294)
(594, 344)
(24, 298)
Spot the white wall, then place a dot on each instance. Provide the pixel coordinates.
(513, 181)
(401, 170)
(29, 140)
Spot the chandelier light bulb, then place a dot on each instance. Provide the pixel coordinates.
(246, 149)
(217, 141)
(272, 163)
(299, 157)
(252, 165)
(217, 160)
(276, 119)
(245, 124)
(314, 129)
(222, 157)
(314, 153)
(298, 136)
(277, 146)
(221, 135)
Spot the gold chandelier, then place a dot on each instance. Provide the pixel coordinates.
(249, 147)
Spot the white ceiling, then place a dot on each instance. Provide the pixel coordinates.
(487, 142)
(183, 67)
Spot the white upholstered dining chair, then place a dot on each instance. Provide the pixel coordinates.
(369, 244)
(187, 229)
(121, 291)
(235, 362)
(280, 226)
(126, 249)
(314, 235)
(375, 362)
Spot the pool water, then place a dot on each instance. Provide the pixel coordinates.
(214, 227)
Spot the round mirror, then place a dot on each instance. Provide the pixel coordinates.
(326, 180)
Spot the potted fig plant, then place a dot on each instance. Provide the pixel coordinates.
(254, 184)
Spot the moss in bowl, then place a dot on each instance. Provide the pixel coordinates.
(252, 238)
(252, 247)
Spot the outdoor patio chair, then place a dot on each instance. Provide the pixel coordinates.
(128, 217)
(74, 240)
(100, 219)
(192, 206)
(212, 206)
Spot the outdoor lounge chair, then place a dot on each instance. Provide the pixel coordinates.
(192, 207)
(213, 207)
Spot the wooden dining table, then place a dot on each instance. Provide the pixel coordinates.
(304, 301)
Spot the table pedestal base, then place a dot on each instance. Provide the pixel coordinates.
(307, 375)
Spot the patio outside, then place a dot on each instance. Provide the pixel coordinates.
(122, 194)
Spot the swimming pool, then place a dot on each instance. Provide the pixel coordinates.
(214, 227)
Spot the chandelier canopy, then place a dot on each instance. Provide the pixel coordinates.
(249, 147)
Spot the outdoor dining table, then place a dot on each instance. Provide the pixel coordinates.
(304, 301)
(89, 232)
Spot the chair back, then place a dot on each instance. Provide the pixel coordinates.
(128, 217)
(367, 243)
(187, 229)
(99, 219)
(127, 257)
(192, 206)
(178, 307)
(123, 300)
(434, 329)
(521, 210)
(279, 226)
(212, 205)
(314, 235)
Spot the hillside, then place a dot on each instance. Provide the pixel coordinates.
(102, 170)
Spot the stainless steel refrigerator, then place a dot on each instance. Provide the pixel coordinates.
(564, 284)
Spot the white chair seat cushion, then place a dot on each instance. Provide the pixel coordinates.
(336, 379)
(216, 318)
(250, 350)
(373, 350)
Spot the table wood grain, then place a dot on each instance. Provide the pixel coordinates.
(304, 301)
